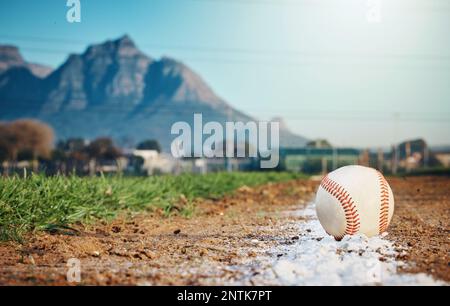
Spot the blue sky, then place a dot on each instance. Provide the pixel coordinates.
(319, 64)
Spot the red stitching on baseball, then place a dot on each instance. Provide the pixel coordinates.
(384, 209)
(347, 203)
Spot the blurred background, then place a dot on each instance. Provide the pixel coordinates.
(350, 81)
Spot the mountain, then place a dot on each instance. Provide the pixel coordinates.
(10, 57)
(113, 89)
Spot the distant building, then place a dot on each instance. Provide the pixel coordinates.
(150, 158)
(409, 156)
(153, 162)
(113, 166)
(314, 160)
(206, 165)
(319, 144)
(443, 156)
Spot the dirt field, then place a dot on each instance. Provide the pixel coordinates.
(223, 242)
(422, 222)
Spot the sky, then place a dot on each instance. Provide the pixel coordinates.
(365, 73)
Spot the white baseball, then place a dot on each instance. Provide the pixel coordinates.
(354, 199)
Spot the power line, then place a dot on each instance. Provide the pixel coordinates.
(264, 62)
(299, 112)
(246, 51)
(258, 2)
(439, 5)
(300, 115)
(309, 111)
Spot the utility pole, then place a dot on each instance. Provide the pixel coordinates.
(426, 156)
(335, 158)
(324, 166)
(181, 153)
(395, 147)
(394, 159)
(380, 159)
(364, 158)
(229, 165)
(407, 155)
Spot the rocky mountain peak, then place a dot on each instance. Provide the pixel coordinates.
(10, 57)
(121, 47)
(113, 89)
(10, 54)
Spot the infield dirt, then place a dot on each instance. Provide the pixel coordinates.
(223, 241)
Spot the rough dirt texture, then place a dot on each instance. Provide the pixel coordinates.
(221, 243)
(422, 223)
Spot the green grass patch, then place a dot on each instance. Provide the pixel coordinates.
(45, 203)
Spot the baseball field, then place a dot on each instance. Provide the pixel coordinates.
(218, 229)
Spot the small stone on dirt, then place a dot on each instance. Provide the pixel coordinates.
(31, 260)
(149, 254)
(183, 199)
(251, 254)
(244, 189)
(116, 229)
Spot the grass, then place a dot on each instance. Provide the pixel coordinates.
(45, 203)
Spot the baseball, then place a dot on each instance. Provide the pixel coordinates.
(354, 199)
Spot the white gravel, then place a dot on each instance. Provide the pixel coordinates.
(317, 259)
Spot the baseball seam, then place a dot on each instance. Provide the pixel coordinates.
(384, 205)
(347, 203)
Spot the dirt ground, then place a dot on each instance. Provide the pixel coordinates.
(422, 223)
(223, 236)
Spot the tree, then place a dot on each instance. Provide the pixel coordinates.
(33, 136)
(29, 138)
(72, 145)
(101, 148)
(150, 145)
(70, 155)
(8, 142)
